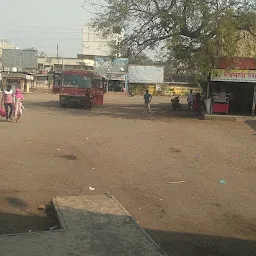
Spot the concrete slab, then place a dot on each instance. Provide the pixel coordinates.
(97, 212)
(93, 226)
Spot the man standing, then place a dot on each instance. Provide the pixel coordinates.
(147, 101)
(87, 100)
(8, 100)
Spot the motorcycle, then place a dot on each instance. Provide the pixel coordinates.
(130, 93)
(176, 103)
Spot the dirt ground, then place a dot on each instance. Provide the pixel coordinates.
(121, 151)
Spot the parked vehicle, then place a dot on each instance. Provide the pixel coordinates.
(176, 103)
(81, 87)
(131, 93)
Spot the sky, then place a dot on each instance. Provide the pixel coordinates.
(43, 24)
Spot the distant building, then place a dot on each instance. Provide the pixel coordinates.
(95, 44)
(23, 81)
(17, 60)
(47, 64)
(4, 45)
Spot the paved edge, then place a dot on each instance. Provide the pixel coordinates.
(141, 228)
(60, 218)
(64, 226)
(228, 118)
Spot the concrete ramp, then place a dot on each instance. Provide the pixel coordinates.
(91, 226)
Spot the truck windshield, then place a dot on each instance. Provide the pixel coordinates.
(76, 81)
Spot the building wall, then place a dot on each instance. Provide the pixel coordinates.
(95, 44)
(167, 89)
(4, 45)
(19, 59)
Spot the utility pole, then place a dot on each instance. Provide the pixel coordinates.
(82, 39)
(58, 54)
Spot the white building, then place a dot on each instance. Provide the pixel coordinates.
(57, 64)
(94, 43)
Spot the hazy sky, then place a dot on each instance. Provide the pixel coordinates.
(41, 24)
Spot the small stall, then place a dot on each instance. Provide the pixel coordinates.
(220, 103)
(23, 81)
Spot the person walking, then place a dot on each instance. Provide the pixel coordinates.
(19, 97)
(190, 99)
(196, 103)
(8, 100)
(147, 101)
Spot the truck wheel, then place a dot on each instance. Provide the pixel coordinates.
(63, 105)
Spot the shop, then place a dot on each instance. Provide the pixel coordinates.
(23, 81)
(231, 92)
(116, 81)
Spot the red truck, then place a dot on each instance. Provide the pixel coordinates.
(81, 87)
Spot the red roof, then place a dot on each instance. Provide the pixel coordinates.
(236, 63)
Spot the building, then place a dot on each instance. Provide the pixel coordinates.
(55, 64)
(231, 87)
(21, 80)
(4, 45)
(19, 60)
(95, 44)
(233, 80)
(17, 66)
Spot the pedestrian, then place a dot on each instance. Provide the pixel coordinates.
(190, 99)
(7, 101)
(19, 97)
(254, 102)
(147, 101)
(196, 103)
(88, 100)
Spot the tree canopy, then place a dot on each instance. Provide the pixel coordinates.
(191, 32)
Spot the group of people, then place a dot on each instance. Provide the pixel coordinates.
(12, 103)
(194, 101)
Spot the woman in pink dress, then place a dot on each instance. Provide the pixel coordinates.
(19, 97)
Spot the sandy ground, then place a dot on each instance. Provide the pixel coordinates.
(121, 151)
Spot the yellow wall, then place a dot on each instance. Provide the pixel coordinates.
(167, 90)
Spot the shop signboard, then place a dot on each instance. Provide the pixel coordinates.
(239, 76)
(104, 65)
(116, 77)
(145, 74)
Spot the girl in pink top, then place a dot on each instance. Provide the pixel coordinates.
(7, 100)
(19, 97)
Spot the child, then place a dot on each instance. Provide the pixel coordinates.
(18, 105)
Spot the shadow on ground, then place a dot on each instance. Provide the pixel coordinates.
(21, 220)
(251, 124)
(172, 243)
(125, 111)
